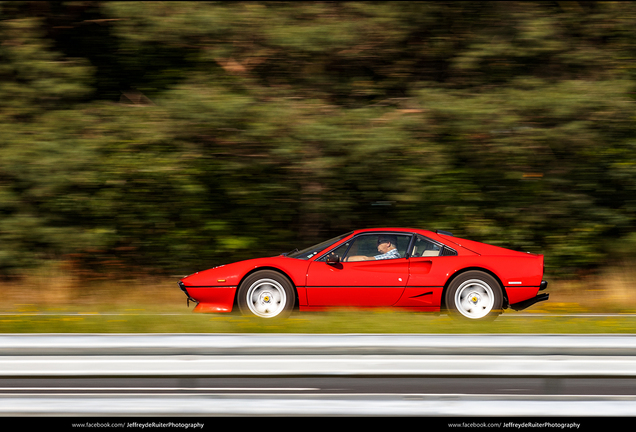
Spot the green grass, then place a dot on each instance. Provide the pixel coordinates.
(337, 322)
(53, 301)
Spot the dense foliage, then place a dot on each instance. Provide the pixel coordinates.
(176, 136)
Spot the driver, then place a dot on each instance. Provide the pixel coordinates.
(387, 246)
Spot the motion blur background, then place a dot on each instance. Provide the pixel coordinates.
(164, 138)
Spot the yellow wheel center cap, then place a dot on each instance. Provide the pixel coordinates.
(266, 299)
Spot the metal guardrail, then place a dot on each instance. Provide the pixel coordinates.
(322, 344)
(548, 357)
(227, 355)
(316, 344)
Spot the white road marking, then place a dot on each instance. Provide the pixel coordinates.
(168, 389)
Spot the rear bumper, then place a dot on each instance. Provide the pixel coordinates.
(527, 303)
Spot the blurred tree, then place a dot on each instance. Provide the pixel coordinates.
(34, 80)
(176, 135)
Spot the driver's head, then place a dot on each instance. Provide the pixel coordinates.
(387, 241)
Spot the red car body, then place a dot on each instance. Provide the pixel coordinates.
(415, 281)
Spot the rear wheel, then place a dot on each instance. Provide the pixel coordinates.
(266, 294)
(474, 295)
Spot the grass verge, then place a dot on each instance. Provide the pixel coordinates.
(52, 301)
(336, 322)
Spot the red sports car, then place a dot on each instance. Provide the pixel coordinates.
(383, 267)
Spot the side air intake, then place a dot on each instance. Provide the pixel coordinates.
(448, 252)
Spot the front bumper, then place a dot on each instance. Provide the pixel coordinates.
(182, 286)
(210, 299)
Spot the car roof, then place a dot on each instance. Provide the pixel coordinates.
(393, 229)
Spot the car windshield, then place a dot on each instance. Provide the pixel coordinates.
(309, 252)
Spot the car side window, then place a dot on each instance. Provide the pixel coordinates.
(424, 247)
(375, 247)
(342, 249)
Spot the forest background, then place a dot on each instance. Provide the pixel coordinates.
(165, 138)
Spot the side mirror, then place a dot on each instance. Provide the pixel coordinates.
(332, 259)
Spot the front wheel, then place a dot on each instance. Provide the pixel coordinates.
(266, 294)
(474, 295)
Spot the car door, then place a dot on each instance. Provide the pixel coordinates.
(376, 281)
(430, 263)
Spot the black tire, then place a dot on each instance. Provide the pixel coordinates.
(266, 294)
(474, 295)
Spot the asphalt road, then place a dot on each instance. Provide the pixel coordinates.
(371, 385)
(471, 398)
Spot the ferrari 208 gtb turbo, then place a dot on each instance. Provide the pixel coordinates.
(386, 267)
